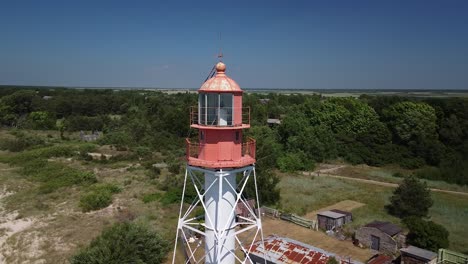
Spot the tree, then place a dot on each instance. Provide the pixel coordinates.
(426, 234)
(124, 243)
(412, 121)
(410, 198)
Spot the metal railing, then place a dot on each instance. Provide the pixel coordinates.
(197, 150)
(219, 116)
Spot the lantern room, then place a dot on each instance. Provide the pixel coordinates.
(220, 118)
(220, 101)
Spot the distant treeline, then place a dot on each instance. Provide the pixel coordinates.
(428, 134)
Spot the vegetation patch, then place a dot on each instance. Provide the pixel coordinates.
(124, 243)
(99, 196)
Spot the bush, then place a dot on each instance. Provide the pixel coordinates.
(21, 142)
(148, 198)
(154, 172)
(426, 234)
(99, 197)
(291, 162)
(124, 243)
(332, 260)
(53, 175)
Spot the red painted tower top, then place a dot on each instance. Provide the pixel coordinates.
(220, 82)
(220, 119)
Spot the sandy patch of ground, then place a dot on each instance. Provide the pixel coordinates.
(346, 205)
(10, 224)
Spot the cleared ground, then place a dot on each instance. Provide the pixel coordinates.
(346, 205)
(318, 238)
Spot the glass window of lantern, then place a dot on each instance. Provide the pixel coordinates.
(201, 109)
(225, 109)
(212, 105)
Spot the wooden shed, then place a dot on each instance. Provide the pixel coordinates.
(348, 215)
(415, 255)
(329, 220)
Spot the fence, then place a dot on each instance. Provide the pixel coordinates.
(295, 219)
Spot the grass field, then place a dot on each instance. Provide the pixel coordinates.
(302, 194)
(386, 174)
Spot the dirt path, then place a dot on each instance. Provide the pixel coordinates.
(328, 173)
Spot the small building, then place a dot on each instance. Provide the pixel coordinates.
(330, 220)
(415, 255)
(273, 121)
(349, 215)
(381, 236)
(282, 250)
(89, 137)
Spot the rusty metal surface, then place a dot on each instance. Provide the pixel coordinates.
(281, 250)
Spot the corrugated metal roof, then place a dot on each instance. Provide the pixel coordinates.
(341, 212)
(419, 252)
(380, 259)
(386, 227)
(281, 250)
(331, 214)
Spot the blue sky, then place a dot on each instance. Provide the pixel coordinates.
(266, 44)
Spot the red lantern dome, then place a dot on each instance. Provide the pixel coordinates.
(220, 82)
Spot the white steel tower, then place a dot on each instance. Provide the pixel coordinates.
(219, 167)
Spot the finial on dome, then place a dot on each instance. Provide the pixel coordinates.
(220, 67)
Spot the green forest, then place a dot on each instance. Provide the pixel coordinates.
(427, 135)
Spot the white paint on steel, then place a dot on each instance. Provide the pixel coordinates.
(218, 193)
(220, 201)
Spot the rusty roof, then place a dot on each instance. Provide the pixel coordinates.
(282, 250)
(386, 227)
(380, 259)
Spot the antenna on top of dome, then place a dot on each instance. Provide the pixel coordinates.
(220, 54)
(220, 59)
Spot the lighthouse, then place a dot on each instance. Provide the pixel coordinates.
(220, 164)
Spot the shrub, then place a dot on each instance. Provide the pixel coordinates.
(98, 197)
(294, 161)
(154, 172)
(143, 152)
(124, 243)
(148, 198)
(426, 234)
(174, 168)
(21, 142)
(95, 200)
(53, 175)
(332, 260)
